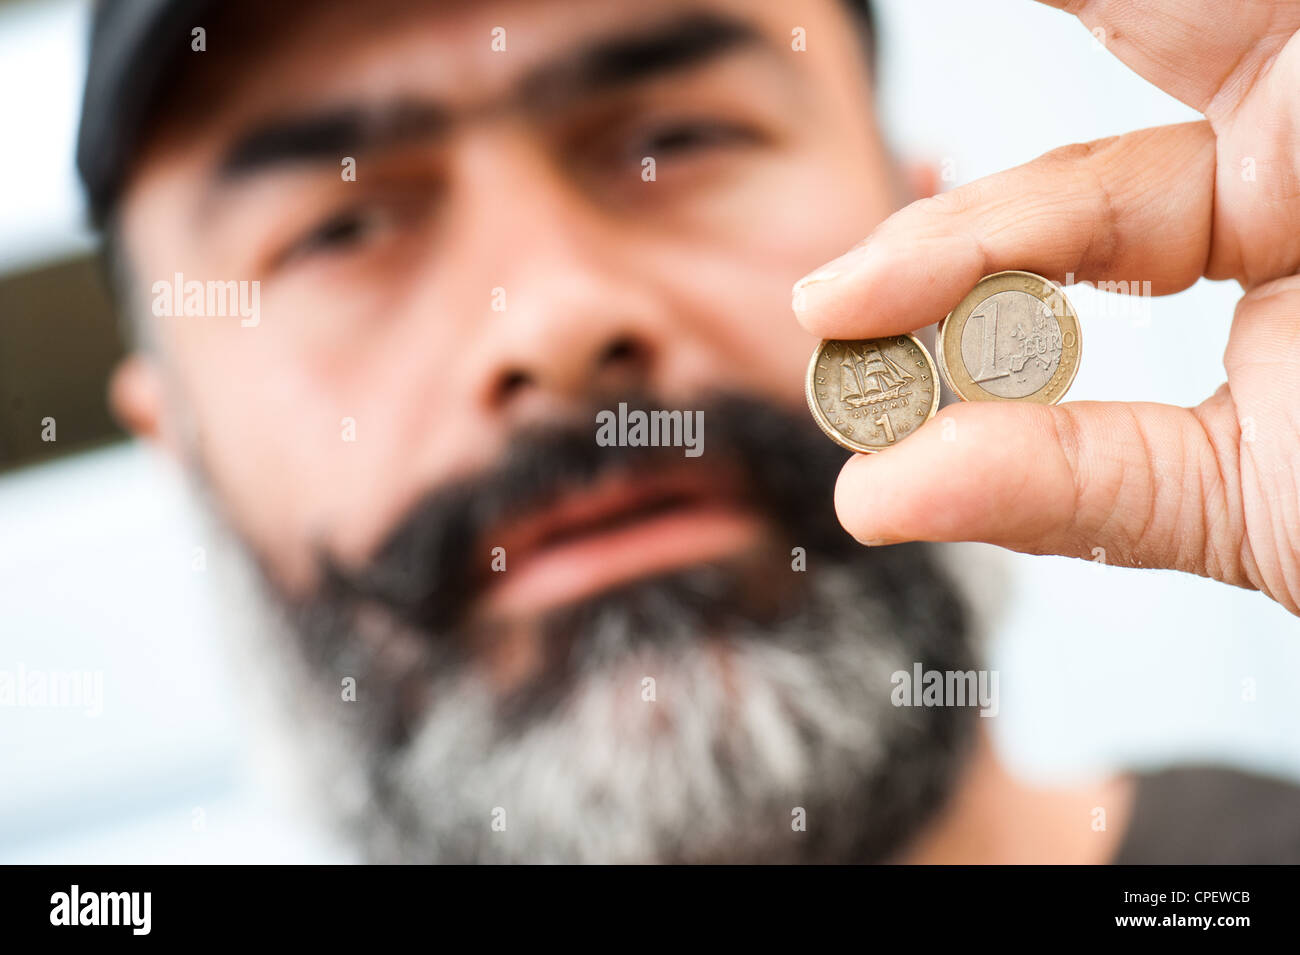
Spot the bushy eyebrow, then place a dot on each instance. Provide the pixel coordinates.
(330, 135)
(594, 67)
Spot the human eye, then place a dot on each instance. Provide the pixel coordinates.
(678, 138)
(341, 232)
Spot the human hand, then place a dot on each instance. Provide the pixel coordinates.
(1213, 490)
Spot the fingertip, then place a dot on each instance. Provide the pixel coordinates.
(854, 502)
(817, 299)
(948, 481)
(884, 497)
(893, 284)
(828, 317)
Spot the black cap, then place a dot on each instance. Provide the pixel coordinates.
(136, 49)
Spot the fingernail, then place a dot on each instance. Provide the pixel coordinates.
(799, 294)
(875, 541)
(827, 273)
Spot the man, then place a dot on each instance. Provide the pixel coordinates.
(476, 227)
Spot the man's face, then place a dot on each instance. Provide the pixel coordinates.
(557, 206)
(501, 266)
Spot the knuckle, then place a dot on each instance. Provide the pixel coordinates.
(1069, 439)
(946, 205)
(1075, 153)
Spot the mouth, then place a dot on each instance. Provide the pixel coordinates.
(623, 528)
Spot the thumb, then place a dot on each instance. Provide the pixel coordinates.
(1133, 484)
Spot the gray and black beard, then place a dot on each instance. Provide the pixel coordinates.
(738, 711)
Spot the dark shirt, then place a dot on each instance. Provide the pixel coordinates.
(1202, 815)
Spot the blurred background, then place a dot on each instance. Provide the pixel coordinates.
(102, 563)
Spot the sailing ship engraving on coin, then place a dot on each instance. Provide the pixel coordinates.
(1014, 337)
(870, 394)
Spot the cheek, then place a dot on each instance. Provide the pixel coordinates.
(289, 448)
(818, 211)
(736, 281)
(268, 442)
(322, 448)
(757, 346)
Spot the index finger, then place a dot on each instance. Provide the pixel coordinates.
(1134, 206)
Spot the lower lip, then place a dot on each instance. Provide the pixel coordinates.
(587, 565)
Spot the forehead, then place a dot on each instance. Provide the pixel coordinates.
(264, 57)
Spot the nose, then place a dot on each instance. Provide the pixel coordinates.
(607, 363)
(571, 316)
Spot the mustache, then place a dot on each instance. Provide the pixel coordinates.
(429, 569)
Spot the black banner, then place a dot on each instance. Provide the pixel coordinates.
(354, 903)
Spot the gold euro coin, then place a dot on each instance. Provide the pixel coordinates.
(868, 395)
(1014, 337)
